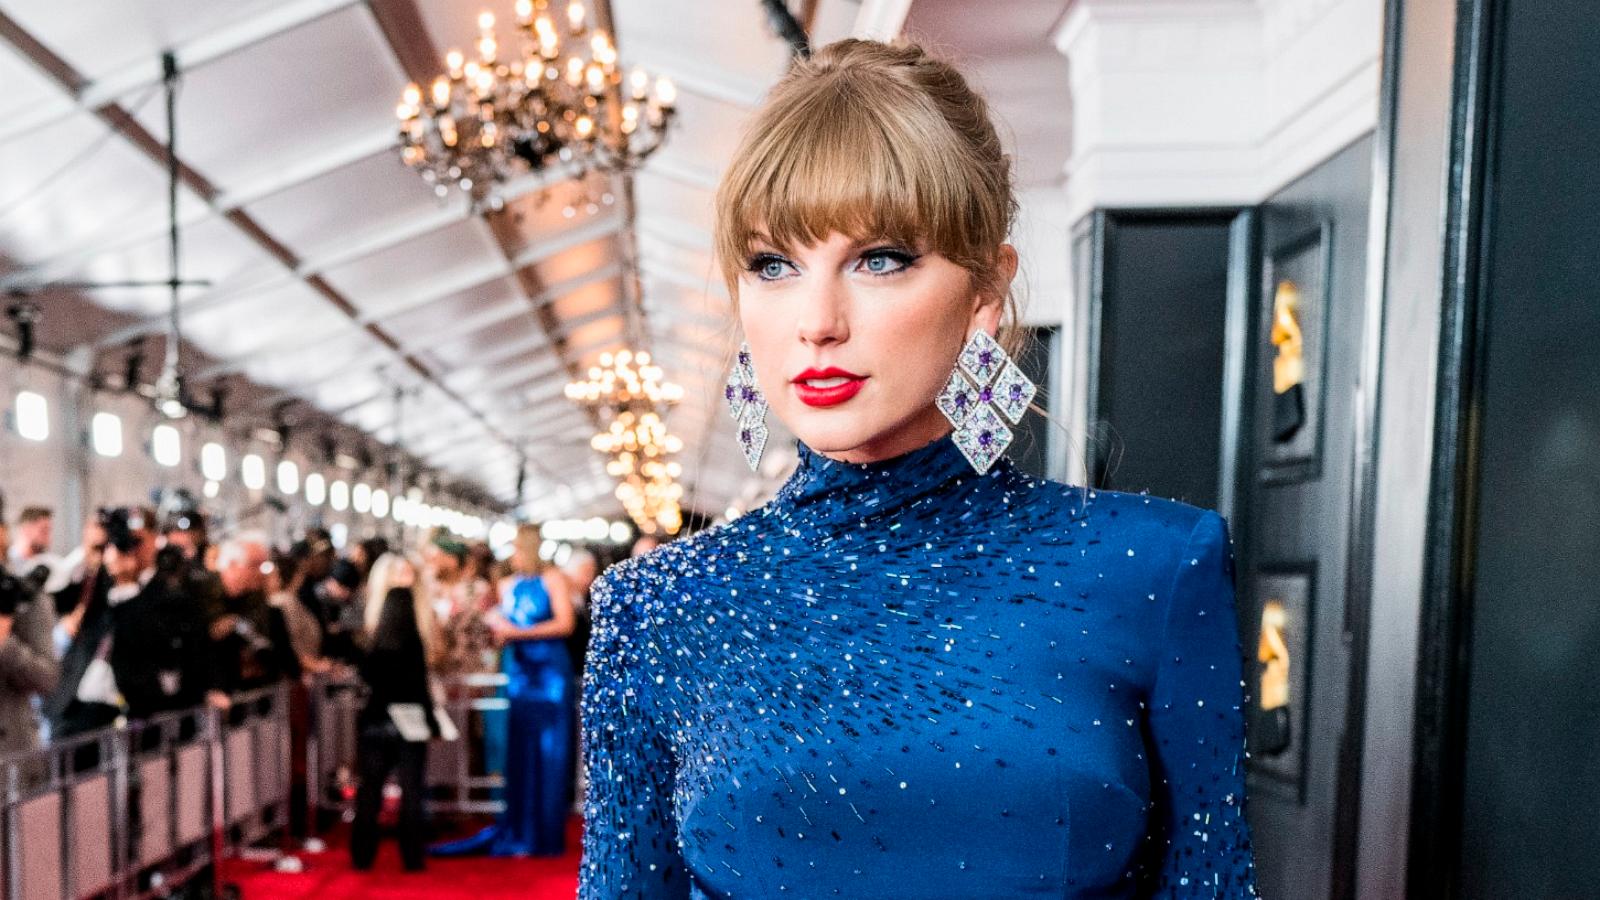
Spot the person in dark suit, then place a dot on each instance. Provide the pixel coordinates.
(139, 643)
(399, 647)
(250, 637)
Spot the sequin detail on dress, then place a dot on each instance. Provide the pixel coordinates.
(907, 680)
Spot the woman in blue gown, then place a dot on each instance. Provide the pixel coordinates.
(916, 672)
(534, 618)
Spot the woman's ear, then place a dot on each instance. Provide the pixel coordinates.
(992, 303)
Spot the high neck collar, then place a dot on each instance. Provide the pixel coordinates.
(859, 490)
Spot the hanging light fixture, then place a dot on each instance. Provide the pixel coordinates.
(634, 392)
(623, 380)
(559, 96)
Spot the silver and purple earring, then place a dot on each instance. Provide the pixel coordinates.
(985, 390)
(748, 407)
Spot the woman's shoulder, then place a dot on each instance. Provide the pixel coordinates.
(1137, 519)
(641, 583)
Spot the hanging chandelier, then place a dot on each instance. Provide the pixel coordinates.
(624, 380)
(634, 391)
(558, 98)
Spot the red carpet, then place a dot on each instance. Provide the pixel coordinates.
(328, 876)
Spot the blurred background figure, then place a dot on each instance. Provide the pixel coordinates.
(251, 641)
(534, 618)
(28, 666)
(399, 642)
(33, 534)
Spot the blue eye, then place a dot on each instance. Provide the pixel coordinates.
(768, 267)
(885, 261)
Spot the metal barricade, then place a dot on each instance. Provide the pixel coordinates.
(131, 810)
(459, 778)
(461, 774)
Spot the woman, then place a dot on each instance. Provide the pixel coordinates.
(305, 632)
(461, 597)
(917, 672)
(535, 616)
(400, 645)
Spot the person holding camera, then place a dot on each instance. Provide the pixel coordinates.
(251, 637)
(28, 666)
(139, 644)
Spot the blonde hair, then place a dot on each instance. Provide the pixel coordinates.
(526, 544)
(378, 585)
(873, 140)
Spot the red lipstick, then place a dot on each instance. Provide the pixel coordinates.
(837, 386)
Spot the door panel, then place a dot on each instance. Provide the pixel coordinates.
(1293, 526)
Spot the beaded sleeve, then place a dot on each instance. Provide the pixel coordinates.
(1197, 730)
(630, 845)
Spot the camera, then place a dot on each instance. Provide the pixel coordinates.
(122, 527)
(17, 592)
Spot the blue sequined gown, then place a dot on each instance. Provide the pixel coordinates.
(539, 692)
(905, 680)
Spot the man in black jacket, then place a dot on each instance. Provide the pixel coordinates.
(251, 636)
(139, 645)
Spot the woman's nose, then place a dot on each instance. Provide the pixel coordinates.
(824, 317)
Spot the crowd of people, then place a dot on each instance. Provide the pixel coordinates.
(149, 615)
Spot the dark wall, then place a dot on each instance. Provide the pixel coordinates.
(1031, 450)
(1532, 768)
(1157, 395)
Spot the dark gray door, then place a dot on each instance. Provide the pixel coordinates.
(1293, 518)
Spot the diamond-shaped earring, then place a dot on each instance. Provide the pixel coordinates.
(986, 385)
(748, 407)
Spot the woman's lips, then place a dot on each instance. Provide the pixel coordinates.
(827, 387)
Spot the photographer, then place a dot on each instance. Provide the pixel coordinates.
(251, 637)
(139, 644)
(28, 666)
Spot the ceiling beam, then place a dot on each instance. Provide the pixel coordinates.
(123, 122)
(456, 284)
(91, 96)
(407, 230)
(73, 259)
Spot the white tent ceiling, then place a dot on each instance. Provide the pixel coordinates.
(336, 276)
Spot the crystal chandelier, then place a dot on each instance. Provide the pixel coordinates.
(634, 391)
(560, 97)
(625, 380)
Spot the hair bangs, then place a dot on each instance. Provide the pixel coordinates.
(826, 161)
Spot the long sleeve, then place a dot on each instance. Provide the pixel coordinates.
(630, 844)
(1196, 718)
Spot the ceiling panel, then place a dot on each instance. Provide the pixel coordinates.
(590, 299)
(577, 261)
(348, 206)
(73, 186)
(381, 281)
(214, 251)
(305, 92)
(679, 203)
(291, 312)
(674, 35)
(128, 32)
(566, 206)
(28, 92)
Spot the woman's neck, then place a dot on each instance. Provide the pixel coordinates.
(923, 429)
